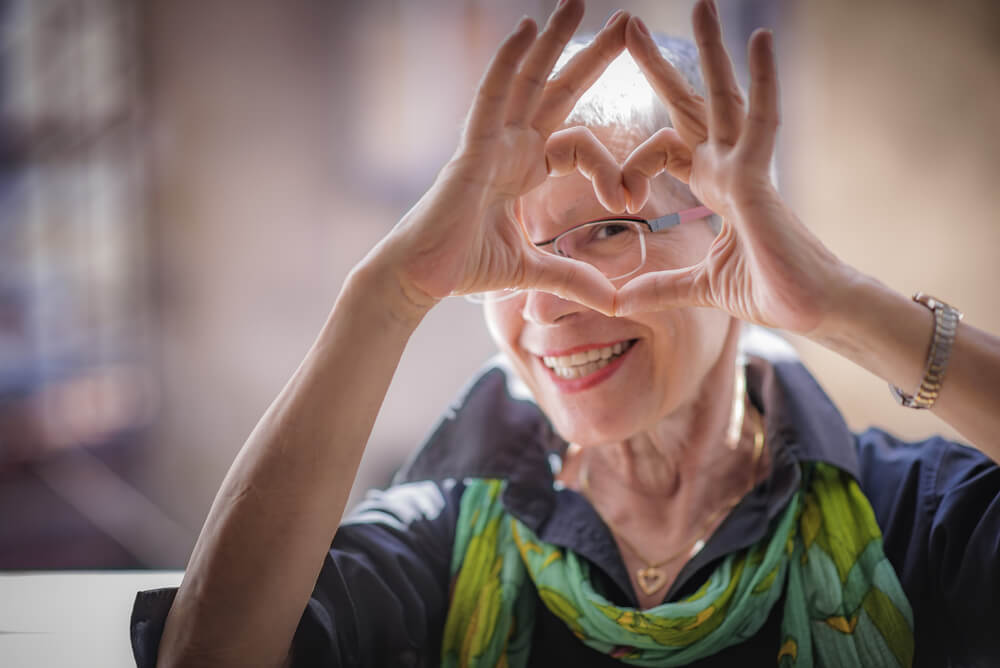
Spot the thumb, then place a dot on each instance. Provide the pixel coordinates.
(571, 279)
(660, 290)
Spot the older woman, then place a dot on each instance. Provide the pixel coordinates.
(632, 484)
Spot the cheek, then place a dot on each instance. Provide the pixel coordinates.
(682, 246)
(686, 343)
(504, 323)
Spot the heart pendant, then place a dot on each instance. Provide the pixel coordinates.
(651, 580)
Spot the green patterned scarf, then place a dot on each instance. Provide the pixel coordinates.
(843, 605)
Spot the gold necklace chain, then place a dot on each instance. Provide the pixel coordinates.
(652, 578)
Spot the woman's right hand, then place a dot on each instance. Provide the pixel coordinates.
(465, 234)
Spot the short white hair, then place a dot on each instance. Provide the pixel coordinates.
(622, 97)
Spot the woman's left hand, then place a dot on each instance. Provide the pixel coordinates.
(764, 266)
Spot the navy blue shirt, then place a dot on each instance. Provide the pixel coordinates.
(382, 594)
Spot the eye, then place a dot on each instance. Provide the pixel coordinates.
(609, 230)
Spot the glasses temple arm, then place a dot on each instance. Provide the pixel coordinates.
(672, 219)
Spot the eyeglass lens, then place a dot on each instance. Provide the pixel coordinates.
(617, 248)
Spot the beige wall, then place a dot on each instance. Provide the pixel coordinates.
(287, 137)
(893, 159)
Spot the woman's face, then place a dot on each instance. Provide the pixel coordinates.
(640, 368)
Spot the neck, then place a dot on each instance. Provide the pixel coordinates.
(686, 461)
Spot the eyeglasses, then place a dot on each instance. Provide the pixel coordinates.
(615, 246)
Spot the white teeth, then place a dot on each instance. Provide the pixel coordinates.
(585, 363)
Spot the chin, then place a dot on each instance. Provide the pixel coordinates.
(588, 429)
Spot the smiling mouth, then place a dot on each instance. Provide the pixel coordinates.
(587, 362)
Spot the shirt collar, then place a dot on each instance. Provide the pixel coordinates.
(495, 430)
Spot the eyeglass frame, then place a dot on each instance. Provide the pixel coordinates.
(655, 225)
(659, 224)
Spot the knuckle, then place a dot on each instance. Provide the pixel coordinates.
(532, 78)
(765, 120)
(729, 93)
(490, 98)
(507, 61)
(561, 88)
(763, 77)
(663, 136)
(558, 159)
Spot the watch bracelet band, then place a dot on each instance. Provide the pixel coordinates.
(946, 319)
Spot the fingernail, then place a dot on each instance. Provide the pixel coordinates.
(641, 25)
(712, 8)
(611, 19)
(562, 3)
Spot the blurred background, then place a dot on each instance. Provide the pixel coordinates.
(184, 186)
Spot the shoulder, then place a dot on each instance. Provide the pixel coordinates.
(382, 591)
(416, 518)
(938, 504)
(932, 468)
(404, 504)
(927, 486)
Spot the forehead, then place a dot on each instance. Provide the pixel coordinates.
(561, 202)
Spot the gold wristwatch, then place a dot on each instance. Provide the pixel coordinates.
(946, 319)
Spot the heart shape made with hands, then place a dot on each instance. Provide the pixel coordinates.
(763, 266)
(722, 148)
(619, 186)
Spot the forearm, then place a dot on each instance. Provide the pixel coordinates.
(889, 334)
(263, 543)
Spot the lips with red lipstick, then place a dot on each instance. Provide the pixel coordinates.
(585, 361)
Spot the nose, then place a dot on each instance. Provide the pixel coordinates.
(545, 308)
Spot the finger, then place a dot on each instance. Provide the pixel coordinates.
(488, 108)
(659, 290)
(763, 116)
(577, 149)
(530, 81)
(562, 91)
(664, 151)
(686, 107)
(570, 279)
(725, 101)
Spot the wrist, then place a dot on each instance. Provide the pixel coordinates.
(878, 328)
(376, 285)
(852, 296)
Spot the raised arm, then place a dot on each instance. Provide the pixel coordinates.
(262, 546)
(765, 266)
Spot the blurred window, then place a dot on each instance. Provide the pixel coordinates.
(74, 280)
